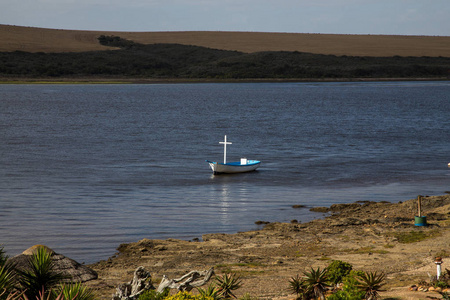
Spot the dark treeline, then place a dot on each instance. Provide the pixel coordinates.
(181, 61)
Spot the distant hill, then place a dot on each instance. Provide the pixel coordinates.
(29, 39)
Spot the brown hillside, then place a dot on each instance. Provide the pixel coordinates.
(32, 39)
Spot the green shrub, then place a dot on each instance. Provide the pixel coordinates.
(337, 270)
(154, 295)
(441, 284)
(187, 296)
(350, 290)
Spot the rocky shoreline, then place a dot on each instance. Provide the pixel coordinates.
(372, 236)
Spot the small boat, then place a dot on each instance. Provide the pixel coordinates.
(244, 165)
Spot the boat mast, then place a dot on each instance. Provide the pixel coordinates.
(225, 143)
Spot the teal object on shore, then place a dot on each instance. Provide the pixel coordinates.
(420, 221)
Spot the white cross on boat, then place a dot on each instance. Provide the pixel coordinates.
(244, 165)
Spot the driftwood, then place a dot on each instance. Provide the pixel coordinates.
(142, 282)
(186, 282)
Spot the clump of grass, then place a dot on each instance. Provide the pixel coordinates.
(364, 250)
(324, 258)
(414, 236)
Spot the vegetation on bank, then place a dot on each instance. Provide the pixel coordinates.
(164, 61)
(338, 281)
(40, 281)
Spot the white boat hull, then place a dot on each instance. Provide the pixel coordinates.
(234, 167)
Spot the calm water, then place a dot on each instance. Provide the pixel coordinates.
(84, 168)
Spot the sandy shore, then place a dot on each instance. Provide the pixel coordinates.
(369, 235)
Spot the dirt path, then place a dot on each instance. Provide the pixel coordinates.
(371, 236)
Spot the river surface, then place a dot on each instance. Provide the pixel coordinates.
(84, 168)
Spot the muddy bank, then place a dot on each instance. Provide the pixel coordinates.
(373, 236)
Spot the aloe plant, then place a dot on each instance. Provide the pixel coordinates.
(6, 281)
(298, 286)
(371, 283)
(317, 282)
(227, 284)
(7, 276)
(3, 257)
(211, 292)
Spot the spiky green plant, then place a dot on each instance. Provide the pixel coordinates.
(43, 295)
(297, 285)
(17, 295)
(317, 282)
(210, 292)
(227, 284)
(3, 257)
(7, 276)
(40, 277)
(6, 281)
(349, 290)
(371, 283)
(75, 291)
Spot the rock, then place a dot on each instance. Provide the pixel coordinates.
(298, 206)
(320, 209)
(413, 288)
(340, 207)
(346, 222)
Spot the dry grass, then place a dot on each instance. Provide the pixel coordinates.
(53, 40)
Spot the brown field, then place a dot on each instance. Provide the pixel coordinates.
(32, 39)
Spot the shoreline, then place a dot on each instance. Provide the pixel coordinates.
(372, 236)
(200, 80)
